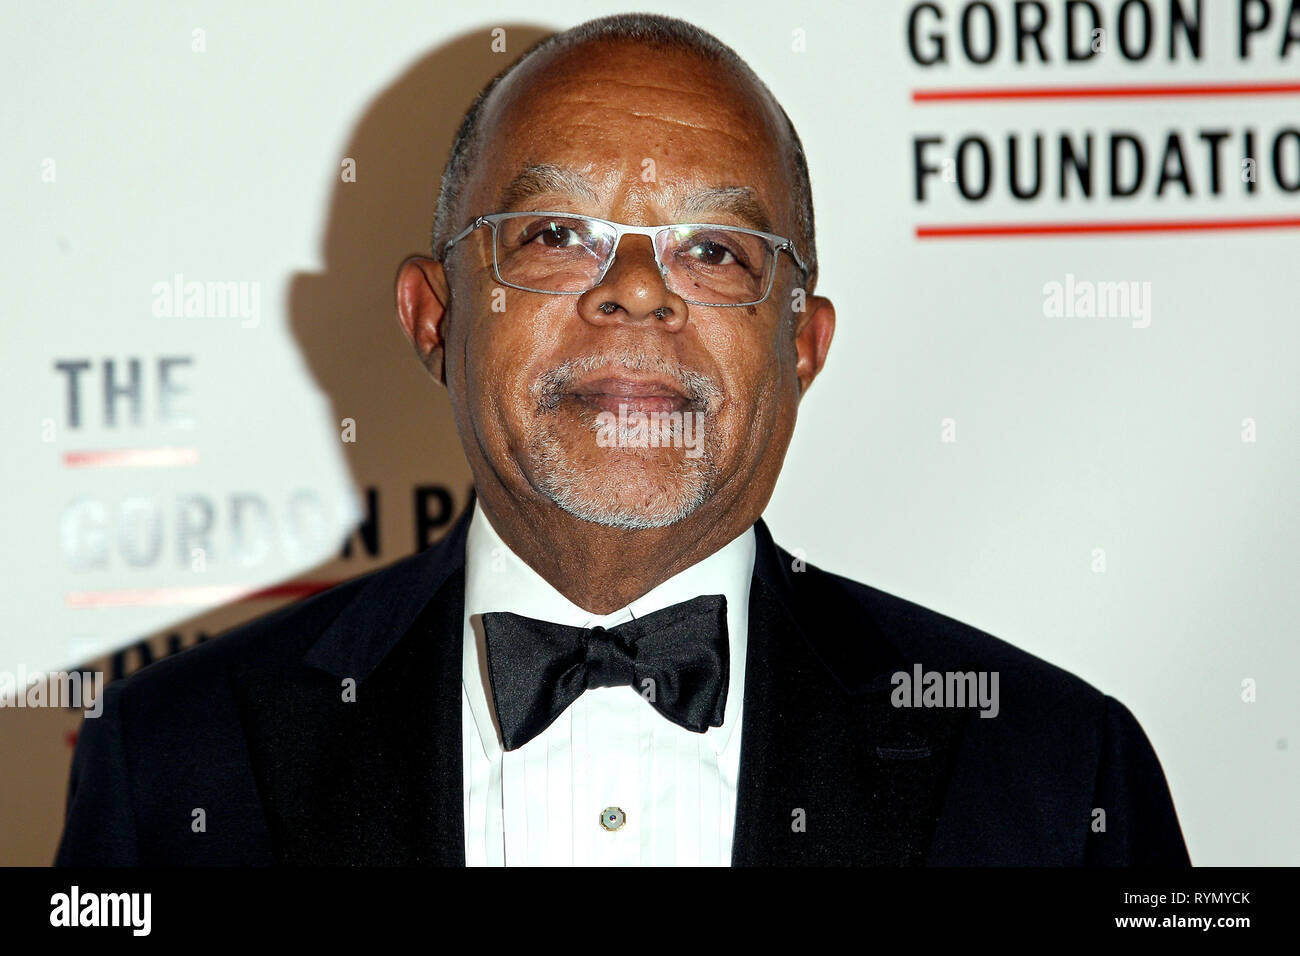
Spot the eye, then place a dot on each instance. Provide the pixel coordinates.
(553, 235)
(711, 252)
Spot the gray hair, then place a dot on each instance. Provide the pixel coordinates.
(650, 29)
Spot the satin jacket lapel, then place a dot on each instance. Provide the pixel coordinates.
(830, 771)
(378, 780)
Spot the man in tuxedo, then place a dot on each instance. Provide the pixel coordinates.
(608, 660)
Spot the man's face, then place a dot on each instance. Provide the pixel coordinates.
(539, 382)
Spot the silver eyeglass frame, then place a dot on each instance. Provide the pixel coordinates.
(780, 244)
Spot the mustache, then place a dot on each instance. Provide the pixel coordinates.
(702, 392)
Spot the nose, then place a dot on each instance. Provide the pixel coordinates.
(633, 291)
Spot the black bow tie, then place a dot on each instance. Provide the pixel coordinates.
(676, 658)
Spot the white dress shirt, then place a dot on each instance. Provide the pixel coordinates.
(542, 803)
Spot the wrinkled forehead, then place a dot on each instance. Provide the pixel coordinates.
(649, 134)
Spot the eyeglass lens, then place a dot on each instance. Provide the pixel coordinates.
(709, 265)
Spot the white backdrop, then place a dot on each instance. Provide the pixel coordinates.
(1114, 494)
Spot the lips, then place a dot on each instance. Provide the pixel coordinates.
(636, 393)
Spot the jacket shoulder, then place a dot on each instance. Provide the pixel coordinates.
(934, 640)
(1070, 755)
(274, 641)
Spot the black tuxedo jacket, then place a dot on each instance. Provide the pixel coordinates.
(242, 750)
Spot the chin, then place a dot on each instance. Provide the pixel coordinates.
(622, 488)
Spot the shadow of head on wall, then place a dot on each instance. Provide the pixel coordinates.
(343, 318)
(405, 461)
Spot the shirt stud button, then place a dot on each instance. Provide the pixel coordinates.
(612, 818)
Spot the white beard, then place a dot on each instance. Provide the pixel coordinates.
(605, 495)
(601, 495)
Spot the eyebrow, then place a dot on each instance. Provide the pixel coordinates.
(742, 202)
(739, 201)
(544, 178)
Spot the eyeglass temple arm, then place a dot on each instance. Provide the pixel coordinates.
(788, 246)
(461, 235)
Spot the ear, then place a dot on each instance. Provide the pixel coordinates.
(814, 329)
(422, 299)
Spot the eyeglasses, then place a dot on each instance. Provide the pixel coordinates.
(566, 254)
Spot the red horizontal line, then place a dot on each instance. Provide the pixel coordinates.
(199, 595)
(294, 589)
(980, 230)
(1103, 92)
(132, 458)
